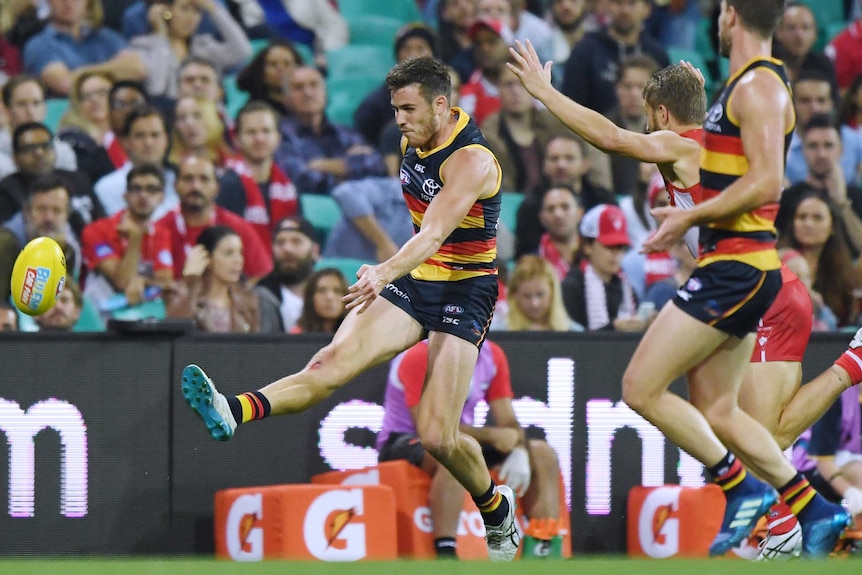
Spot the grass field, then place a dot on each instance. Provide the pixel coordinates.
(596, 566)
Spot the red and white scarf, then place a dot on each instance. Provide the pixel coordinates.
(115, 151)
(548, 250)
(283, 198)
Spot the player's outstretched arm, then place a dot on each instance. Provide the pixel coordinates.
(658, 147)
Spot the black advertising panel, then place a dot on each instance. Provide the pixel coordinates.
(102, 456)
(86, 426)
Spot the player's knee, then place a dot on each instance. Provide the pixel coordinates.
(329, 359)
(544, 457)
(439, 444)
(634, 395)
(719, 414)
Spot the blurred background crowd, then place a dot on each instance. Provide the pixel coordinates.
(236, 161)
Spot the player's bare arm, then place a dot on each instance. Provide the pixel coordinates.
(664, 147)
(755, 105)
(468, 175)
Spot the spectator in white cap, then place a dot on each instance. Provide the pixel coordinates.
(596, 293)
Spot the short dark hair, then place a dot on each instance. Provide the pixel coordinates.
(145, 170)
(566, 187)
(252, 107)
(819, 122)
(638, 62)
(679, 91)
(44, 184)
(13, 84)
(201, 61)
(128, 84)
(23, 129)
(431, 75)
(139, 112)
(761, 16)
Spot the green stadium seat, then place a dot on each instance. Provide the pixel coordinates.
(322, 211)
(375, 31)
(402, 10)
(347, 266)
(154, 309)
(55, 108)
(826, 11)
(833, 30)
(90, 319)
(235, 97)
(511, 201)
(345, 95)
(696, 59)
(352, 61)
(306, 53)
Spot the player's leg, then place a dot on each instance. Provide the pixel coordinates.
(362, 341)
(714, 388)
(673, 344)
(767, 392)
(451, 361)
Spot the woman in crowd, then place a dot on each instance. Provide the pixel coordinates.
(265, 76)
(322, 308)
(198, 130)
(213, 293)
(174, 39)
(534, 299)
(86, 126)
(813, 228)
(851, 105)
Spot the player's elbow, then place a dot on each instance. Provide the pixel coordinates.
(769, 190)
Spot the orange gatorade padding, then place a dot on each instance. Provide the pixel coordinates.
(413, 516)
(316, 522)
(673, 521)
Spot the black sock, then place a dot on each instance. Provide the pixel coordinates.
(492, 505)
(235, 408)
(446, 547)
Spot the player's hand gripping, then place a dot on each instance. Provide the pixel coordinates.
(529, 70)
(368, 285)
(675, 222)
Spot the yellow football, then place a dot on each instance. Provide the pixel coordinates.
(38, 276)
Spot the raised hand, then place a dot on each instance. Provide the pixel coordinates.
(529, 70)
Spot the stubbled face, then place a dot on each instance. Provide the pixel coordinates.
(812, 224)
(143, 195)
(196, 184)
(627, 16)
(36, 154)
(822, 149)
(48, 214)
(567, 13)
(533, 298)
(811, 97)
(63, 316)
(489, 50)
(459, 12)
(226, 261)
(147, 142)
(415, 117)
(258, 136)
(564, 162)
(560, 215)
(797, 31)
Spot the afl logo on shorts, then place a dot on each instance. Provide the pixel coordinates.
(693, 284)
(405, 177)
(453, 309)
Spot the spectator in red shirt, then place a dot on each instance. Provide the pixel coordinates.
(125, 253)
(480, 95)
(845, 50)
(197, 188)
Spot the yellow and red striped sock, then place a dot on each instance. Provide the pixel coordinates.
(249, 406)
(797, 494)
(492, 505)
